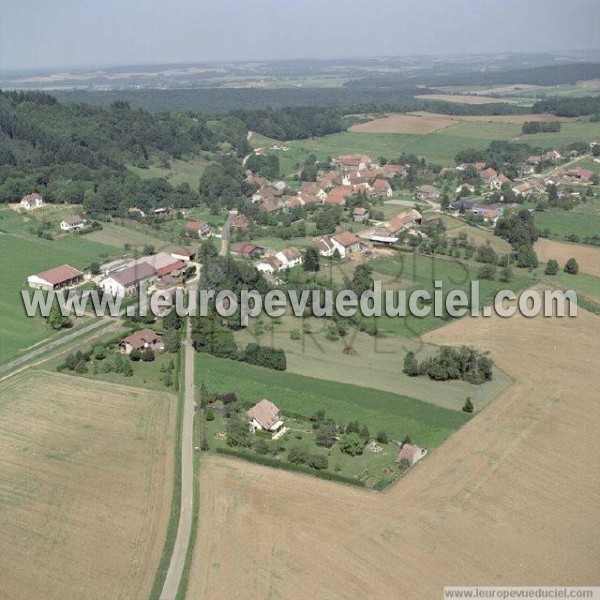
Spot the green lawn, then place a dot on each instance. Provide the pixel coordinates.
(181, 171)
(438, 147)
(582, 221)
(427, 424)
(415, 271)
(24, 256)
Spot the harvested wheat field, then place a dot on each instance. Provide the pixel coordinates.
(588, 257)
(466, 99)
(85, 487)
(519, 119)
(402, 123)
(512, 498)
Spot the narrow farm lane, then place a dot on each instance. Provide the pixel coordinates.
(169, 591)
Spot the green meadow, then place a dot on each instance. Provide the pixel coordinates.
(399, 415)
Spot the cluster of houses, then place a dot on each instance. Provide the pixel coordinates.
(348, 175)
(122, 277)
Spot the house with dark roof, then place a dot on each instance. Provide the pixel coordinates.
(72, 223)
(126, 282)
(140, 340)
(246, 250)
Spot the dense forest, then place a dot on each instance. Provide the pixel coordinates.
(79, 153)
(568, 107)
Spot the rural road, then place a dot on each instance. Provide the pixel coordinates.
(184, 528)
(51, 345)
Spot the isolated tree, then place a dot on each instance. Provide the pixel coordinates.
(311, 260)
(487, 272)
(551, 267)
(506, 274)
(325, 434)
(135, 354)
(171, 340)
(411, 365)
(468, 405)
(571, 267)
(526, 256)
(365, 434)
(127, 370)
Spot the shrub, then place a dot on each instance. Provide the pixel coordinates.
(468, 406)
(261, 446)
(265, 356)
(318, 461)
(210, 415)
(135, 355)
(296, 334)
(382, 437)
(298, 455)
(352, 444)
(571, 267)
(551, 267)
(148, 355)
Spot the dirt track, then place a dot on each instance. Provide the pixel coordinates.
(512, 498)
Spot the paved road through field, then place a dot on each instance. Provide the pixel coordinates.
(184, 528)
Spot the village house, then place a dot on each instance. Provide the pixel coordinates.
(361, 214)
(271, 204)
(290, 257)
(140, 340)
(398, 224)
(525, 170)
(427, 192)
(462, 204)
(31, 201)
(351, 162)
(325, 246)
(523, 189)
(266, 192)
(580, 174)
(410, 455)
(246, 250)
(293, 202)
(337, 196)
(490, 178)
(382, 189)
(553, 155)
(240, 222)
(465, 186)
(346, 243)
(489, 212)
(56, 278)
(126, 282)
(198, 229)
(265, 416)
(72, 223)
(313, 189)
(270, 265)
(185, 254)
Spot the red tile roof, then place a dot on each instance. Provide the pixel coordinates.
(60, 274)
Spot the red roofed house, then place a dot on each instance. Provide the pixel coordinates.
(239, 222)
(199, 229)
(246, 250)
(325, 246)
(140, 340)
(290, 257)
(346, 243)
(580, 174)
(382, 188)
(270, 264)
(361, 214)
(56, 278)
(337, 196)
(186, 254)
(410, 455)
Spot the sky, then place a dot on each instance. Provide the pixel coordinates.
(39, 34)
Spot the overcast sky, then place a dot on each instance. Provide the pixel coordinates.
(56, 33)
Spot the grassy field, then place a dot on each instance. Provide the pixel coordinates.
(416, 271)
(582, 221)
(438, 147)
(400, 415)
(24, 256)
(476, 235)
(85, 487)
(376, 363)
(181, 171)
(117, 236)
